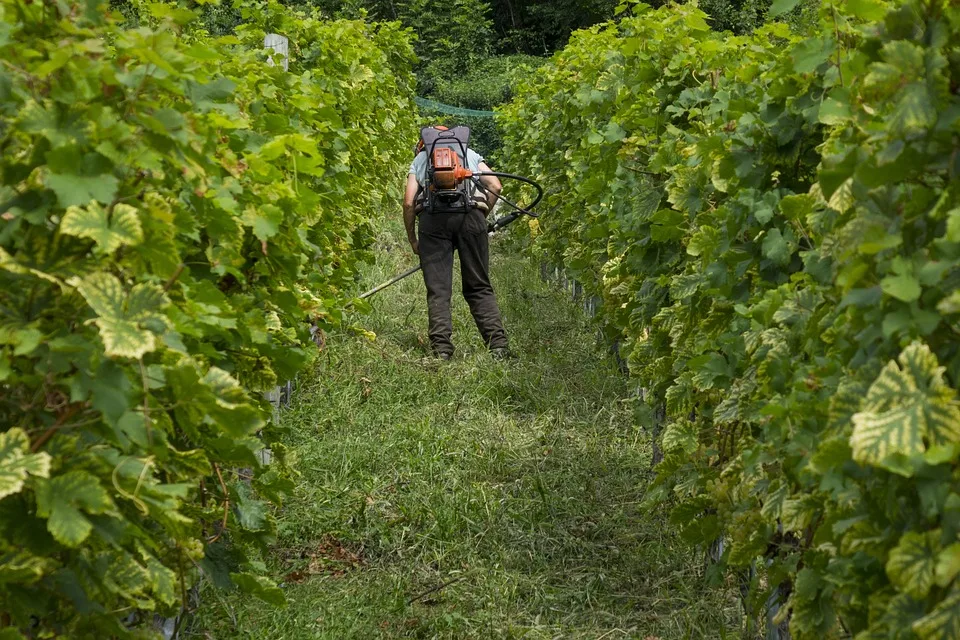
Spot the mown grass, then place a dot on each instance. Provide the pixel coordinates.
(471, 498)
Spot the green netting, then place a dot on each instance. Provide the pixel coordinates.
(433, 105)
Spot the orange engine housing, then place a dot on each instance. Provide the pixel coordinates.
(447, 170)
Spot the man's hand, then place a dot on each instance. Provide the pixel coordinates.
(415, 245)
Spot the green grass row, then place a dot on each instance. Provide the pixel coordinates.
(471, 499)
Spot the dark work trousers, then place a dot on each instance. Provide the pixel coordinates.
(466, 233)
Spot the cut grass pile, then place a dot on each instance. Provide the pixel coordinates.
(471, 498)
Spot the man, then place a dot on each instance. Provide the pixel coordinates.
(442, 233)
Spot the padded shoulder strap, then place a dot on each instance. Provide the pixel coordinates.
(432, 135)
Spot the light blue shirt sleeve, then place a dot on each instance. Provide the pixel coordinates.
(473, 160)
(419, 167)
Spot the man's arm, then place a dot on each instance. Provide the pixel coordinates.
(410, 211)
(492, 185)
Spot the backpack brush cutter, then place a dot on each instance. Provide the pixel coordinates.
(447, 177)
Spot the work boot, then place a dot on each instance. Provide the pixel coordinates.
(502, 353)
(443, 355)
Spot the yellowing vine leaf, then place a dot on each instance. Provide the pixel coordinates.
(16, 462)
(64, 500)
(23, 568)
(943, 623)
(680, 435)
(909, 412)
(125, 576)
(911, 566)
(110, 230)
(127, 322)
(164, 580)
(9, 264)
(948, 564)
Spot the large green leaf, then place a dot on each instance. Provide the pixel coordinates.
(232, 408)
(64, 501)
(903, 287)
(74, 190)
(866, 9)
(260, 587)
(215, 397)
(109, 230)
(251, 512)
(811, 53)
(265, 221)
(775, 247)
(704, 241)
(780, 7)
(16, 462)
(909, 411)
(128, 322)
(911, 565)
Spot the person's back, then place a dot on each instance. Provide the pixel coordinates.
(443, 230)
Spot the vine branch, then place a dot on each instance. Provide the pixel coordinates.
(226, 506)
(66, 415)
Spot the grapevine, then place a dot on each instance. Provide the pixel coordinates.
(177, 212)
(773, 222)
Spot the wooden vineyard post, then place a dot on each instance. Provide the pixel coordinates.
(280, 395)
(280, 45)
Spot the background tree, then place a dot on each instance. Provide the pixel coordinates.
(540, 27)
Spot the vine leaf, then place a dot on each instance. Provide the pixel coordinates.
(16, 462)
(164, 580)
(109, 231)
(775, 247)
(866, 9)
(680, 435)
(943, 623)
(264, 220)
(9, 264)
(63, 501)
(948, 564)
(216, 397)
(780, 7)
(260, 587)
(915, 111)
(125, 576)
(127, 322)
(912, 564)
(903, 287)
(909, 411)
(23, 568)
(898, 615)
(251, 512)
(77, 190)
